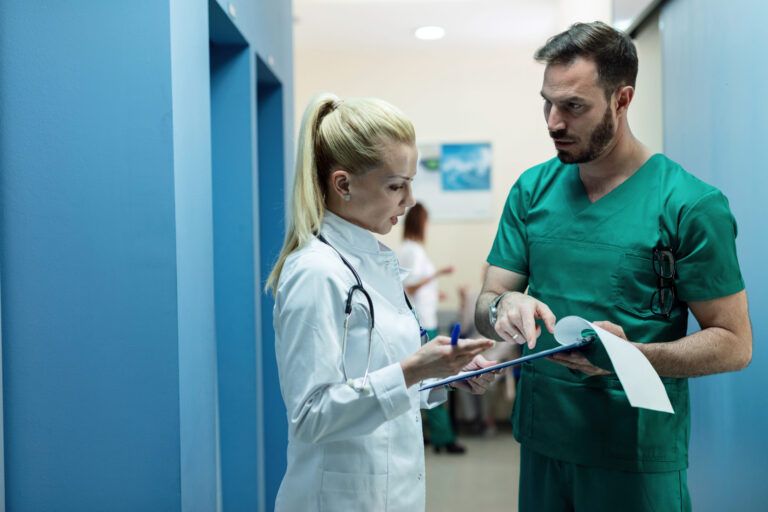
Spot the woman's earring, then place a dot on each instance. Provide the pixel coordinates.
(347, 197)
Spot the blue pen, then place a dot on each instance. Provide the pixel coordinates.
(455, 334)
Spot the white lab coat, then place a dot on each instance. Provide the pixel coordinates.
(413, 257)
(348, 450)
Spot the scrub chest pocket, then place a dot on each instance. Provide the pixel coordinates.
(634, 284)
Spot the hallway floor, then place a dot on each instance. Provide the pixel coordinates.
(485, 478)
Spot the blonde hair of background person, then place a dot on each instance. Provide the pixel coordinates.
(354, 440)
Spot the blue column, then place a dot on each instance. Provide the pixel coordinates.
(271, 151)
(714, 123)
(107, 324)
(109, 296)
(191, 117)
(237, 288)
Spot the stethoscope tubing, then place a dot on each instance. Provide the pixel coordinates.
(358, 287)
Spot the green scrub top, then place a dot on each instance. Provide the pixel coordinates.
(594, 260)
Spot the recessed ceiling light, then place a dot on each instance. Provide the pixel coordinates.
(429, 33)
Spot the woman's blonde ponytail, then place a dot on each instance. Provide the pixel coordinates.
(348, 135)
(308, 203)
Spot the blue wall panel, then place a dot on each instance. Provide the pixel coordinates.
(714, 118)
(110, 385)
(266, 27)
(88, 258)
(191, 116)
(237, 288)
(271, 149)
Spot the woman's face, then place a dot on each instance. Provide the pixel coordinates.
(380, 196)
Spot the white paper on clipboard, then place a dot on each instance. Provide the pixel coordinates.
(640, 381)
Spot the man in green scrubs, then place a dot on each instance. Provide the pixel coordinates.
(630, 240)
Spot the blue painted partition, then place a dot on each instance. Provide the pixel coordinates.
(267, 27)
(111, 380)
(2, 442)
(715, 111)
(197, 400)
(271, 151)
(88, 255)
(235, 245)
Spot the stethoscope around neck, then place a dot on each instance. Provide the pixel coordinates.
(358, 287)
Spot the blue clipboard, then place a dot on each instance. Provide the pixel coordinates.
(583, 342)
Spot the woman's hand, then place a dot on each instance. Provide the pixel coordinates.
(477, 385)
(438, 358)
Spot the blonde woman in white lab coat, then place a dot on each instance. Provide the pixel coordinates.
(354, 441)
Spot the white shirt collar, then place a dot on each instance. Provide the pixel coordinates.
(350, 236)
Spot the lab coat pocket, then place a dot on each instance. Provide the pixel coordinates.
(634, 283)
(342, 492)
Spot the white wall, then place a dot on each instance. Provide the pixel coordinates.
(645, 116)
(469, 95)
(451, 97)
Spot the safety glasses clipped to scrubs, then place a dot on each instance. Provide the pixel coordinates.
(359, 288)
(664, 298)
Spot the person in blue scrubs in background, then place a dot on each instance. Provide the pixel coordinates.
(614, 234)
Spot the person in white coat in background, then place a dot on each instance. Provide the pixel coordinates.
(421, 285)
(349, 376)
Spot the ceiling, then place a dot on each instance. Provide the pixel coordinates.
(389, 24)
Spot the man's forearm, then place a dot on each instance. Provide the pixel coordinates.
(497, 281)
(482, 323)
(709, 351)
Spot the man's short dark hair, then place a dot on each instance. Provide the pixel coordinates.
(612, 51)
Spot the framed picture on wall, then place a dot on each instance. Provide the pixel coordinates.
(454, 180)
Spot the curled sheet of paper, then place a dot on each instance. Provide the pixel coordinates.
(640, 381)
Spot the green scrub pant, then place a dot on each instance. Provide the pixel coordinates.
(550, 485)
(438, 419)
(439, 423)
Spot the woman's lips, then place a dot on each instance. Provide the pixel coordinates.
(395, 218)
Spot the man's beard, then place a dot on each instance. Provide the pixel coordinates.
(598, 141)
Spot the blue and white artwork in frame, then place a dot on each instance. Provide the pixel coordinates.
(466, 167)
(454, 180)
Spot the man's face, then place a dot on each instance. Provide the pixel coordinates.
(579, 117)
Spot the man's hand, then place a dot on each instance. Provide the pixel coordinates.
(477, 385)
(577, 361)
(517, 315)
(612, 328)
